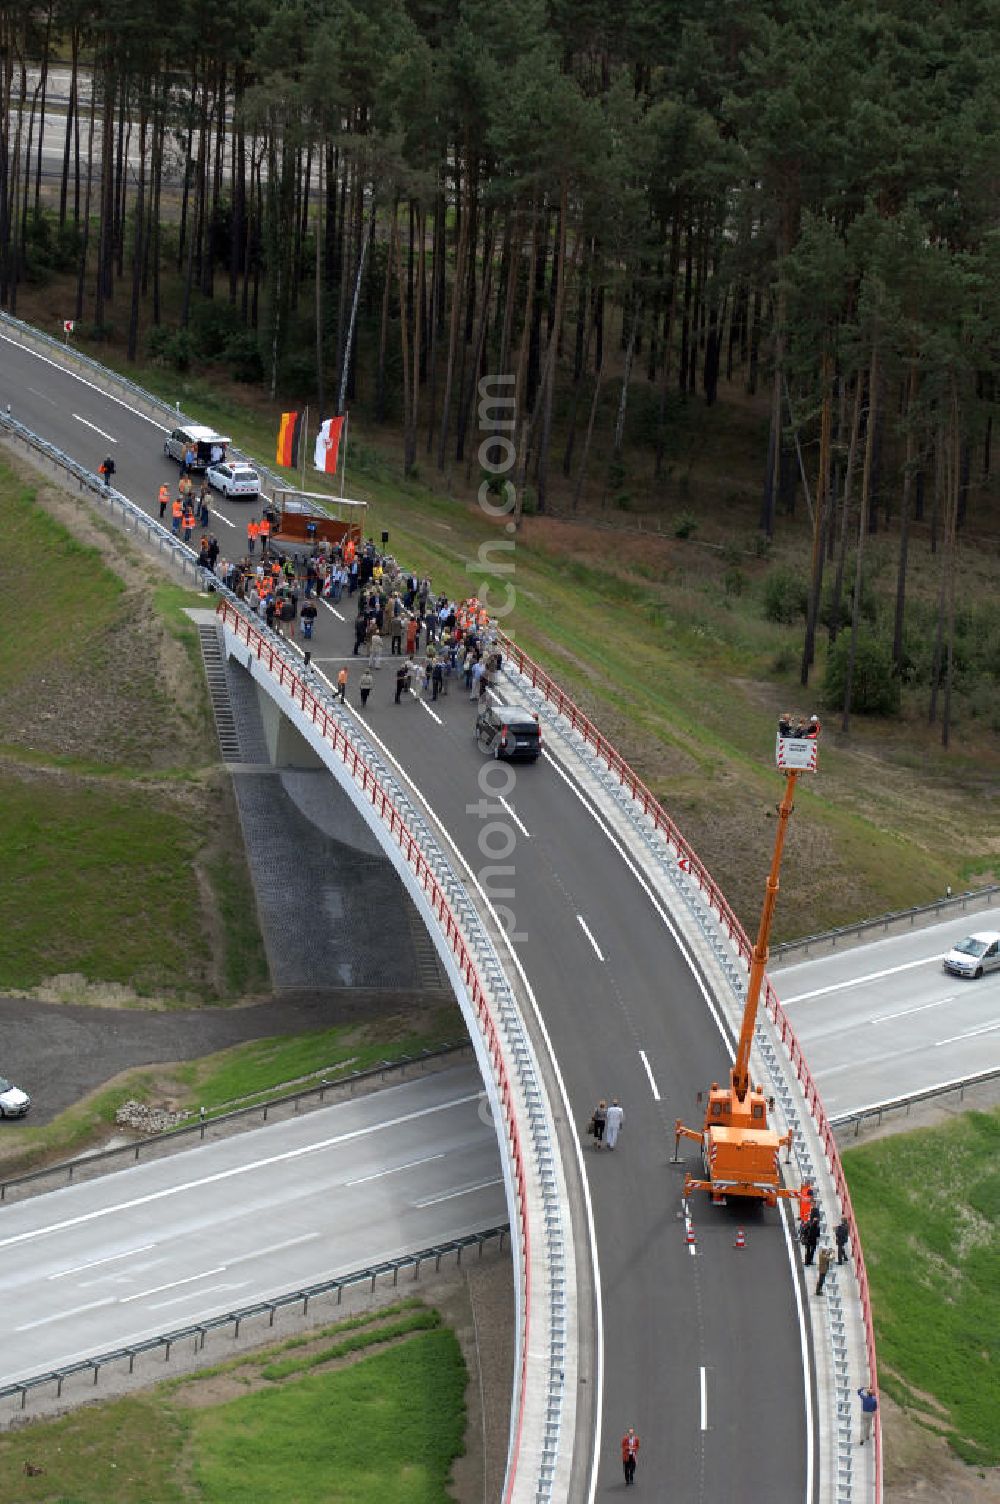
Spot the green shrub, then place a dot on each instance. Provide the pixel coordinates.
(243, 357)
(734, 581)
(786, 595)
(874, 687)
(684, 524)
(171, 347)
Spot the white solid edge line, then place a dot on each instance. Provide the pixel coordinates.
(583, 925)
(539, 1020)
(432, 713)
(871, 976)
(704, 1399)
(332, 608)
(731, 1044)
(91, 385)
(649, 1072)
(164, 1193)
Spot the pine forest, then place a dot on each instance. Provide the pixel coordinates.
(622, 209)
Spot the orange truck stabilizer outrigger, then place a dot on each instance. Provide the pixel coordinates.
(739, 1150)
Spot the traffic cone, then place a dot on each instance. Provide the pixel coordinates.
(741, 1238)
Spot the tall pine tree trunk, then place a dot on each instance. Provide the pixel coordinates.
(866, 496)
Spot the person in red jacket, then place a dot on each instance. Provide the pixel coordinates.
(630, 1453)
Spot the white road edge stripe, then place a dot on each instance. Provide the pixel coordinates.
(564, 1094)
(583, 925)
(649, 1072)
(234, 1171)
(730, 1042)
(332, 608)
(704, 1399)
(872, 976)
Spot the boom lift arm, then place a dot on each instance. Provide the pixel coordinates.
(739, 1150)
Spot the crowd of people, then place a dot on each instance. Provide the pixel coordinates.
(436, 640)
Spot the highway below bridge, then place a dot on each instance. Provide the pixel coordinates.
(710, 1357)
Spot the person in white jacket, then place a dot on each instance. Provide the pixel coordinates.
(613, 1125)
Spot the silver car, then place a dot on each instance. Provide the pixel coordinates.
(14, 1102)
(974, 955)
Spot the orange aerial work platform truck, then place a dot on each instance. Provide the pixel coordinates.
(738, 1148)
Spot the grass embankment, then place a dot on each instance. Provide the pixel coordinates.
(322, 1417)
(664, 641)
(928, 1204)
(113, 818)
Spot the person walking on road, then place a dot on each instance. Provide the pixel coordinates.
(613, 1125)
(107, 470)
(375, 651)
(841, 1233)
(308, 615)
(365, 686)
(402, 675)
(164, 500)
(869, 1409)
(342, 685)
(824, 1262)
(630, 1454)
(599, 1121)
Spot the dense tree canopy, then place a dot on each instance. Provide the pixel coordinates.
(799, 195)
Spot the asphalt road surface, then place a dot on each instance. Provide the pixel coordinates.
(885, 1019)
(704, 1355)
(162, 1245)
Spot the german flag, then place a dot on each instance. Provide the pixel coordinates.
(289, 436)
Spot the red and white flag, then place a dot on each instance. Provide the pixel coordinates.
(327, 445)
(68, 326)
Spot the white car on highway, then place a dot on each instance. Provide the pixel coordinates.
(14, 1102)
(233, 479)
(974, 955)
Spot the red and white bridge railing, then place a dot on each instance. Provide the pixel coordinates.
(692, 864)
(531, 1464)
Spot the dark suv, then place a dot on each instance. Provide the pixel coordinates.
(510, 732)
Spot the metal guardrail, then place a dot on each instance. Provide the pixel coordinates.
(531, 1151)
(166, 1341)
(503, 1030)
(106, 379)
(979, 897)
(170, 1137)
(878, 1110)
(631, 793)
(174, 551)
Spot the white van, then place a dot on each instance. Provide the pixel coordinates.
(209, 447)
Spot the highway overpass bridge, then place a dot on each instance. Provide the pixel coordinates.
(625, 968)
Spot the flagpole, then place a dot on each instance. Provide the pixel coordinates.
(305, 440)
(343, 463)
